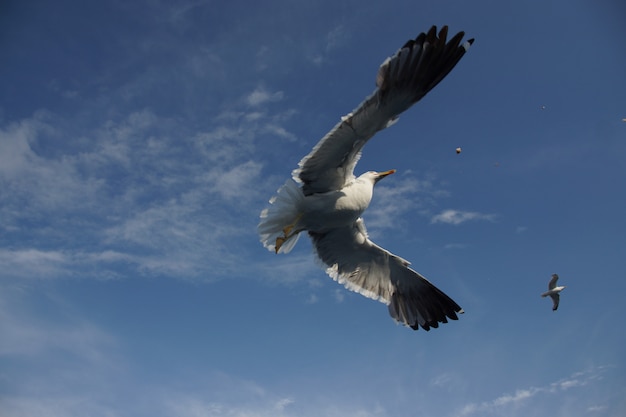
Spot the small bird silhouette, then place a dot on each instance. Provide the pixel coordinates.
(553, 291)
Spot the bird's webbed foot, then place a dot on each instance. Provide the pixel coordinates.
(288, 232)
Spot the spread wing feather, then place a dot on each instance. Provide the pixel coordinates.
(402, 80)
(552, 283)
(555, 301)
(362, 266)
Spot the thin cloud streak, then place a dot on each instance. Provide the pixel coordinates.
(505, 402)
(262, 96)
(456, 217)
(399, 197)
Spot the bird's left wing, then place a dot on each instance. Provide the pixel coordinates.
(402, 80)
(362, 266)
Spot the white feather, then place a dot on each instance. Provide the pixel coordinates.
(283, 211)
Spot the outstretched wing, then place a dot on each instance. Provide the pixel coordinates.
(555, 301)
(362, 266)
(402, 80)
(552, 283)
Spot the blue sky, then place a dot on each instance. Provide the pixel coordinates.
(139, 142)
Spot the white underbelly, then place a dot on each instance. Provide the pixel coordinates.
(328, 211)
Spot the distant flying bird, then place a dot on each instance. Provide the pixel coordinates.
(458, 150)
(327, 200)
(553, 291)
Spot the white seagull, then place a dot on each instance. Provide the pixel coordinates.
(327, 200)
(553, 292)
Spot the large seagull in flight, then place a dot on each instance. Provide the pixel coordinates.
(326, 200)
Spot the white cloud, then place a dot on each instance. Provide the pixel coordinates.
(337, 37)
(143, 190)
(30, 180)
(238, 183)
(179, 12)
(443, 379)
(282, 403)
(262, 406)
(339, 294)
(399, 196)
(71, 405)
(506, 402)
(76, 359)
(274, 129)
(596, 408)
(296, 267)
(313, 299)
(32, 262)
(455, 246)
(456, 217)
(261, 96)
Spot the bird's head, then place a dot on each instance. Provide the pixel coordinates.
(377, 176)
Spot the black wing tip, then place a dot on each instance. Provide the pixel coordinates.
(434, 324)
(431, 316)
(431, 35)
(421, 63)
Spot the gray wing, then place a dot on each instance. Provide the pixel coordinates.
(552, 283)
(555, 301)
(362, 266)
(402, 80)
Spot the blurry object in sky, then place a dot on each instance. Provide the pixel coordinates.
(327, 200)
(458, 150)
(553, 292)
(496, 164)
(543, 107)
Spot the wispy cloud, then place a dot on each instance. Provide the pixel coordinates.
(143, 190)
(296, 267)
(456, 217)
(24, 335)
(521, 229)
(195, 406)
(313, 299)
(392, 201)
(507, 401)
(339, 295)
(261, 95)
(337, 37)
(76, 360)
(455, 246)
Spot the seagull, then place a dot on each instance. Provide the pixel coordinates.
(325, 199)
(553, 291)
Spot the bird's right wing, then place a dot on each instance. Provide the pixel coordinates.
(362, 266)
(402, 80)
(555, 301)
(552, 283)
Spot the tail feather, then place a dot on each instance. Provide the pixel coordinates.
(283, 211)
